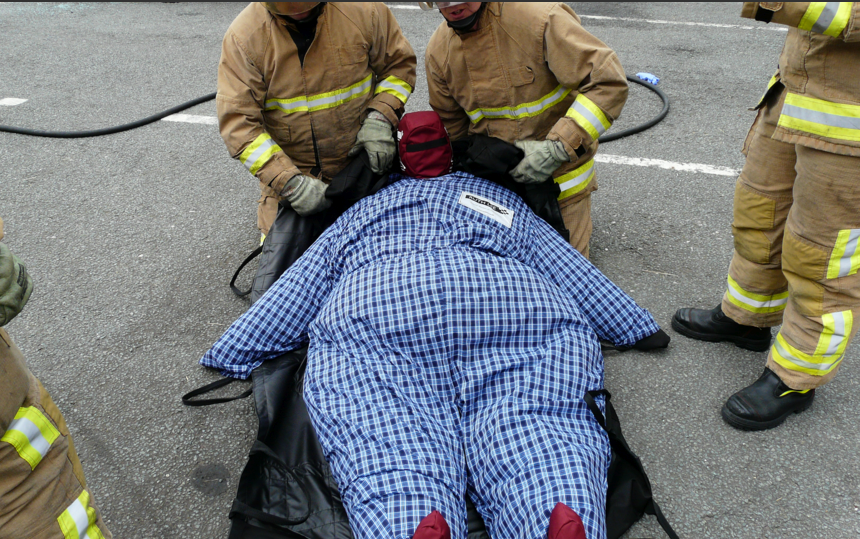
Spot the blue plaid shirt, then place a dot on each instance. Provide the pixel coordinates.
(413, 216)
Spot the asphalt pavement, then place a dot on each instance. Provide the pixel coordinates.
(132, 238)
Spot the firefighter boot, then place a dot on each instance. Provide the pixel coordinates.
(765, 404)
(715, 326)
(564, 523)
(433, 526)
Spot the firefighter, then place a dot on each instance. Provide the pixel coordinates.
(796, 218)
(529, 74)
(304, 86)
(43, 493)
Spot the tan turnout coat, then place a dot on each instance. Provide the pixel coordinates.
(271, 105)
(529, 72)
(819, 68)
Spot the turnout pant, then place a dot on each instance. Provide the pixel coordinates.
(43, 492)
(796, 251)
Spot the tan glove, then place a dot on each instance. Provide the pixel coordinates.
(306, 194)
(15, 285)
(376, 136)
(542, 158)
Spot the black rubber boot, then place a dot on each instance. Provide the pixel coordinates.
(765, 404)
(715, 326)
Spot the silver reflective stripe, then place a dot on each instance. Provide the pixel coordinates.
(588, 115)
(252, 159)
(797, 361)
(340, 96)
(577, 180)
(826, 17)
(824, 118)
(521, 110)
(850, 249)
(756, 303)
(79, 515)
(33, 434)
(394, 87)
(838, 334)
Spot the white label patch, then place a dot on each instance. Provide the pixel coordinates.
(494, 211)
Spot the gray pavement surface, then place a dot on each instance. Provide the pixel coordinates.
(132, 238)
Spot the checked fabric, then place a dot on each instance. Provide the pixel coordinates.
(452, 337)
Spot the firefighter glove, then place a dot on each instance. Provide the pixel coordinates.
(306, 194)
(376, 137)
(15, 285)
(542, 158)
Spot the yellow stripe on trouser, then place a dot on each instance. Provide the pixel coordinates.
(828, 18)
(820, 117)
(327, 100)
(259, 152)
(525, 110)
(828, 353)
(78, 521)
(31, 433)
(755, 303)
(397, 87)
(589, 116)
(845, 259)
(576, 180)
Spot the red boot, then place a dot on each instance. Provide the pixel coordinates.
(433, 526)
(564, 523)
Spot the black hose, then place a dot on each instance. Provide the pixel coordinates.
(108, 130)
(650, 123)
(208, 97)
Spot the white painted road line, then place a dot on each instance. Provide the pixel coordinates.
(685, 23)
(191, 119)
(11, 101)
(649, 21)
(669, 165)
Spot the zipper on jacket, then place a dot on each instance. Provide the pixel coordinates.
(303, 36)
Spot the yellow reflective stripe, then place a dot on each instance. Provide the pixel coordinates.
(828, 18)
(526, 110)
(794, 360)
(801, 391)
(834, 336)
(755, 303)
(322, 101)
(589, 116)
(820, 117)
(31, 433)
(399, 88)
(259, 152)
(845, 258)
(78, 521)
(576, 180)
(773, 80)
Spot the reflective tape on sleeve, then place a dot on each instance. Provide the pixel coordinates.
(396, 87)
(31, 433)
(820, 117)
(828, 353)
(755, 303)
(322, 101)
(589, 116)
(828, 18)
(525, 110)
(259, 152)
(78, 521)
(845, 258)
(576, 180)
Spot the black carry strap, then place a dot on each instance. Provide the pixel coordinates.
(629, 493)
(244, 263)
(186, 399)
